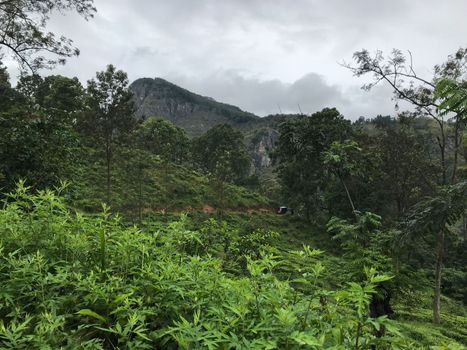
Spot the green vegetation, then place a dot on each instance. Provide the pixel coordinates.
(24, 32)
(119, 232)
(75, 281)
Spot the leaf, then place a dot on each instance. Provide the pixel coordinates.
(380, 278)
(90, 313)
(305, 338)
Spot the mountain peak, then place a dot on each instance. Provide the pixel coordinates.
(195, 113)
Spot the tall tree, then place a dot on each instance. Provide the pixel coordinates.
(37, 138)
(164, 139)
(404, 167)
(436, 216)
(342, 161)
(111, 116)
(7, 93)
(170, 143)
(23, 32)
(399, 73)
(300, 155)
(222, 153)
(58, 95)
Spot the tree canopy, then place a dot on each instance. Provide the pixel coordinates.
(24, 36)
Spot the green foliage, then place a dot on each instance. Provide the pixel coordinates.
(439, 212)
(73, 281)
(164, 139)
(221, 152)
(300, 153)
(453, 96)
(37, 140)
(58, 95)
(142, 184)
(362, 243)
(109, 119)
(341, 157)
(24, 31)
(405, 170)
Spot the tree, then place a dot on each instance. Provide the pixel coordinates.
(55, 94)
(221, 153)
(300, 154)
(399, 73)
(222, 144)
(38, 142)
(405, 168)
(110, 117)
(342, 160)
(161, 138)
(435, 216)
(23, 31)
(164, 139)
(453, 96)
(8, 95)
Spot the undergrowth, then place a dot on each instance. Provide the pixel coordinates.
(75, 281)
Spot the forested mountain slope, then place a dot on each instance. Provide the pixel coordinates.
(195, 113)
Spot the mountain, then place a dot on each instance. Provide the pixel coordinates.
(196, 114)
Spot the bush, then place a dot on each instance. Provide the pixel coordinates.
(73, 281)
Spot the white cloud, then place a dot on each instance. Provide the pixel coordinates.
(257, 53)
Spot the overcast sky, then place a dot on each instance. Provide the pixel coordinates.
(264, 55)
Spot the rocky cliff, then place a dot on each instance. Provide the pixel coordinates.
(195, 113)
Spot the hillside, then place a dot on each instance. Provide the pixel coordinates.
(195, 113)
(163, 188)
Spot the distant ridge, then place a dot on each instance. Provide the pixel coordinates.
(193, 112)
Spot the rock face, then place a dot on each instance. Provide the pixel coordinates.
(260, 147)
(196, 114)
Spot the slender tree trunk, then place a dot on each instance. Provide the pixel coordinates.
(308, 209)
(140, 190)
(399, 206)
(440, 237)
(349, 197)
(167, 188)
(457, 129)
(108, 158)
(442, 148)
(221, 185)
(438, 277)
(464, 226)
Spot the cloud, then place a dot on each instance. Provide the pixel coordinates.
(259, 54)
(308, 94)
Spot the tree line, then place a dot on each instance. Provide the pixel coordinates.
(53, 129)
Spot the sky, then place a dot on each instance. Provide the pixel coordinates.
(265, 56)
